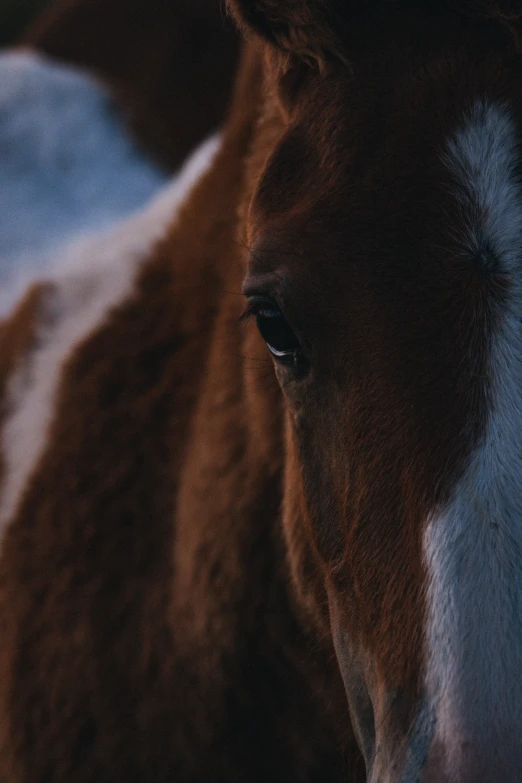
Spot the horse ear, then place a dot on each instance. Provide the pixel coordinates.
(302, 29)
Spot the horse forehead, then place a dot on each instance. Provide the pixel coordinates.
(435, 184)
(338, 170)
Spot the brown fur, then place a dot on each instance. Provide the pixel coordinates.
(199, 537)
(149, 647)
(17, 333)
(314, 32)
(394, 404)
(141, 48)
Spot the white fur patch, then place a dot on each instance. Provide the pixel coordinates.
(67, 163)
(473, 548)
(91, 277)
(484, 155)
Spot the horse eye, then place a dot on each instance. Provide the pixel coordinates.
(277, 334)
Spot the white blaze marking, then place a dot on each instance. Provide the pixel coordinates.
(93, 276)
(473, 547)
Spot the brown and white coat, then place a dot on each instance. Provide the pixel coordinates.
(215, 567)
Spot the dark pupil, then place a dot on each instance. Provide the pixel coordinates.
(276, 333)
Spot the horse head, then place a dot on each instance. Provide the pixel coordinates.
(384, 241)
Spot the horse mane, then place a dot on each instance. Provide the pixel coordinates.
(312, 30)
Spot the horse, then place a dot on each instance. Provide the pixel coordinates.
(260, 507)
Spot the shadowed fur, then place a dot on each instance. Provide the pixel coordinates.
(219, 572)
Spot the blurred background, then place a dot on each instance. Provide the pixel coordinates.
(15, 15)
(90, 85)
(162, 60)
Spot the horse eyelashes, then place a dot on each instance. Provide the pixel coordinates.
(275, 330)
